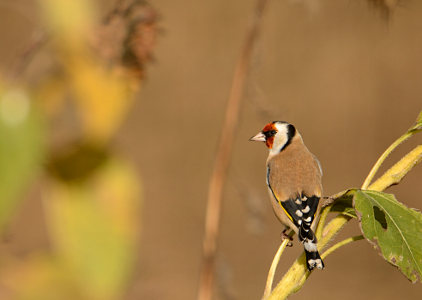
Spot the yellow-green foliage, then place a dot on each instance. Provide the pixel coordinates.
(91, 196)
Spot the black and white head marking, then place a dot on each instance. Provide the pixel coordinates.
(283, 137)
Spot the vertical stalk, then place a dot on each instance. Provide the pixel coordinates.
(222, 160)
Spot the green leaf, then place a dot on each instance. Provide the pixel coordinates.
(344, 205)
(93, 225)
(21, 147)
(394, 228)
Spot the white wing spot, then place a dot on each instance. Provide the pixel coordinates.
(306, 209)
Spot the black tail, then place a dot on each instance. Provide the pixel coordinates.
(306, 235)
(309, 240)
(313, 260)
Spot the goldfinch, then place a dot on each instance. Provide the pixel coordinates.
(294, 184)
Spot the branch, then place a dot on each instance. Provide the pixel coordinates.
(223, 156)
(383, 157)
(270, 277)
(417, 127)
(341, 244)
(294, 279)
(396, 173)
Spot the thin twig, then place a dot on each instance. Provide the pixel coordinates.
(383, 157)
(223, 156)
(270, 277)
(340, 244)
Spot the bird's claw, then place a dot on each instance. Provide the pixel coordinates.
(285, 236)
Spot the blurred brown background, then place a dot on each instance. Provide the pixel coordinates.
(350, 81)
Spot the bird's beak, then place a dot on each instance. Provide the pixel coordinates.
(260, 137)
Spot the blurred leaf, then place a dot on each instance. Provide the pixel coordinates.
(21, 147)
(51, 94)
(394, 228)
(102, 94)
(77, 162)
(103, 98)
(38, 277)
(94, 227)
(68, 29)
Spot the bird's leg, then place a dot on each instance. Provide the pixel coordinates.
(285, 235)
(327, 200)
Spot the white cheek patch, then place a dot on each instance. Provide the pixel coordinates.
(280, 139)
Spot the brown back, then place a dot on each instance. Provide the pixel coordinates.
(294, 171)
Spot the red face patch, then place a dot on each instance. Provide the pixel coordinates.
(268, 129)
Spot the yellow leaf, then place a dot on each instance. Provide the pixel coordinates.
(94, 228)
(102, 94)
(102, 97)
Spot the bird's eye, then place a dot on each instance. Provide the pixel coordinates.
(270, 133)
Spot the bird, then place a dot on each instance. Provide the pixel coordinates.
(294, 181)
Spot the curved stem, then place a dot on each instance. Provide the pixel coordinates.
(383, 157)
(396, 173)
(296, 276)
(321, 223)
(340, 244)
(270, 277)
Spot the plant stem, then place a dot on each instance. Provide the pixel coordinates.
(383, 157)
(219, 174)
(340, 244)
(321, 223)
(396, 173)
(296, 276)
(270, 277)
